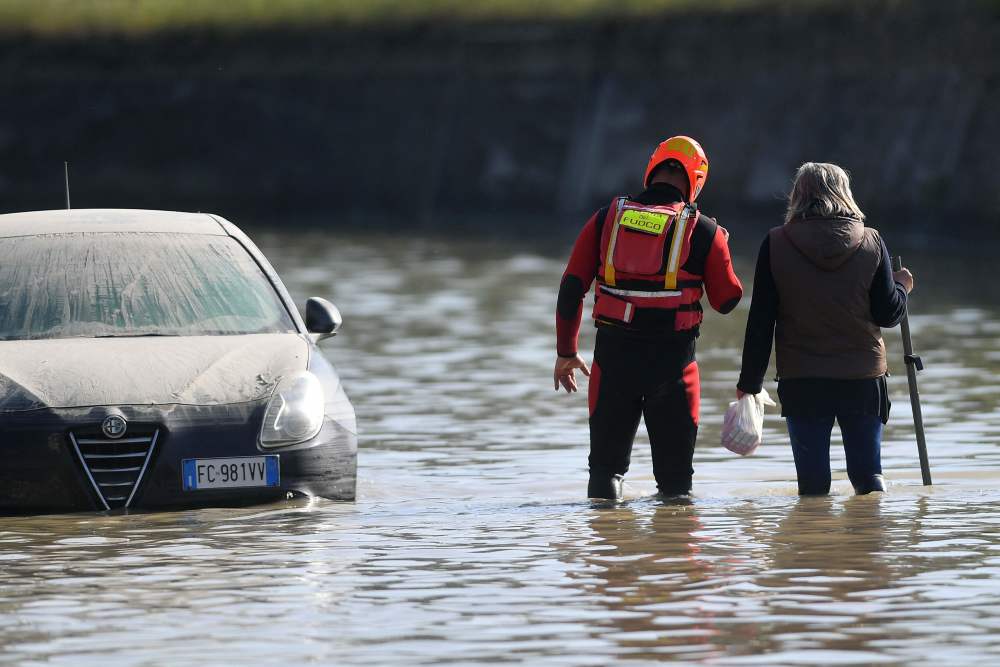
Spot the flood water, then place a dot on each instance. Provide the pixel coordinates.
(471, 541)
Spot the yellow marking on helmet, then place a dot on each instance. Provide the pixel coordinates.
(645, 221)
(682, 146)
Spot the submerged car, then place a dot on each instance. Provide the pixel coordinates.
(152, 359)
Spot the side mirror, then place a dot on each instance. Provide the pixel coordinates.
(322, 318)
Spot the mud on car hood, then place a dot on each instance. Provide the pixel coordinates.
(195, 370)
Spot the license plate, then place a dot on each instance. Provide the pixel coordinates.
(232, 473)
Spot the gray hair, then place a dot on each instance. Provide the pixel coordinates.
(821, 190)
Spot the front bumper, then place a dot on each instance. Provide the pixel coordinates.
(41, 472)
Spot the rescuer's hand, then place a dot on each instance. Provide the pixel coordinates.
(904, 278)
(564, 372)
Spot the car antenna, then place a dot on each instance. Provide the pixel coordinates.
(66, 172)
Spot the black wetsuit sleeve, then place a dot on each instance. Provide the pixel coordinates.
(579, 275)
(888, 298)
(760, 324)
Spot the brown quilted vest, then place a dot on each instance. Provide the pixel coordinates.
(823, 269)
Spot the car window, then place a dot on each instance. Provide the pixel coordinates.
(133, 284)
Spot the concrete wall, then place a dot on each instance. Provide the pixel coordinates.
(506, 121)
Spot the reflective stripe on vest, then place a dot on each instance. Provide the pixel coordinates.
(658, 294)
(609, 264)
(680, 226)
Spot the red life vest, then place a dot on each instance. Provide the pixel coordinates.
(643, 248)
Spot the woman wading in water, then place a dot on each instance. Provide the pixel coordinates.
(823, 286)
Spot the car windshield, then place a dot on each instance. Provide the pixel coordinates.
(133, 284)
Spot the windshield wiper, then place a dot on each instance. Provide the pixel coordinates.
(133, 335)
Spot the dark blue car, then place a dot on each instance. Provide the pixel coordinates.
(151, 359)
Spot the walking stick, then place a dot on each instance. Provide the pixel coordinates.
(914, 364)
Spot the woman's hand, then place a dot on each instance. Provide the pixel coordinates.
(904, 278)
(564, 372)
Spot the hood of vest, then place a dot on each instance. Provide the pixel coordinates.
(826, 242)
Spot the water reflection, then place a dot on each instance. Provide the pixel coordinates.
(802, 581)
(822, 554)
(643, 570)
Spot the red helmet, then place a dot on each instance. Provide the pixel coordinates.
(692, 157)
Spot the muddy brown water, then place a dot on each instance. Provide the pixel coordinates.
(471, 541)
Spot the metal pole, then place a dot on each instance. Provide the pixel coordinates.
(914, 364)
(66, 172)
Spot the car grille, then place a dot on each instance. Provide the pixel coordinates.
(115, 466)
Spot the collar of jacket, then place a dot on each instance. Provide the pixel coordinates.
(658, 193)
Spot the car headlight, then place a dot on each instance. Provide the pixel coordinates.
(294, 413)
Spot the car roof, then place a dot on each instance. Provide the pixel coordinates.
(93, 220)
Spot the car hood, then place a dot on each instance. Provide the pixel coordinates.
(195, 370)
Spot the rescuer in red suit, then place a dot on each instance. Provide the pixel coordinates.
(652, 255)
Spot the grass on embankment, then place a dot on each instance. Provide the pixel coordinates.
(55, 17)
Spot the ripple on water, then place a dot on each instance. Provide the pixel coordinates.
(470, 542)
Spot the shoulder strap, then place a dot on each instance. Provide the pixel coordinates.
(688, 218)
(609, 264)
(703, 233)
(711, 225)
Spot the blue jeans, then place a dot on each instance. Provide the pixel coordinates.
(810, 438)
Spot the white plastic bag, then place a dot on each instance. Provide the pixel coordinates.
(743, 427)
